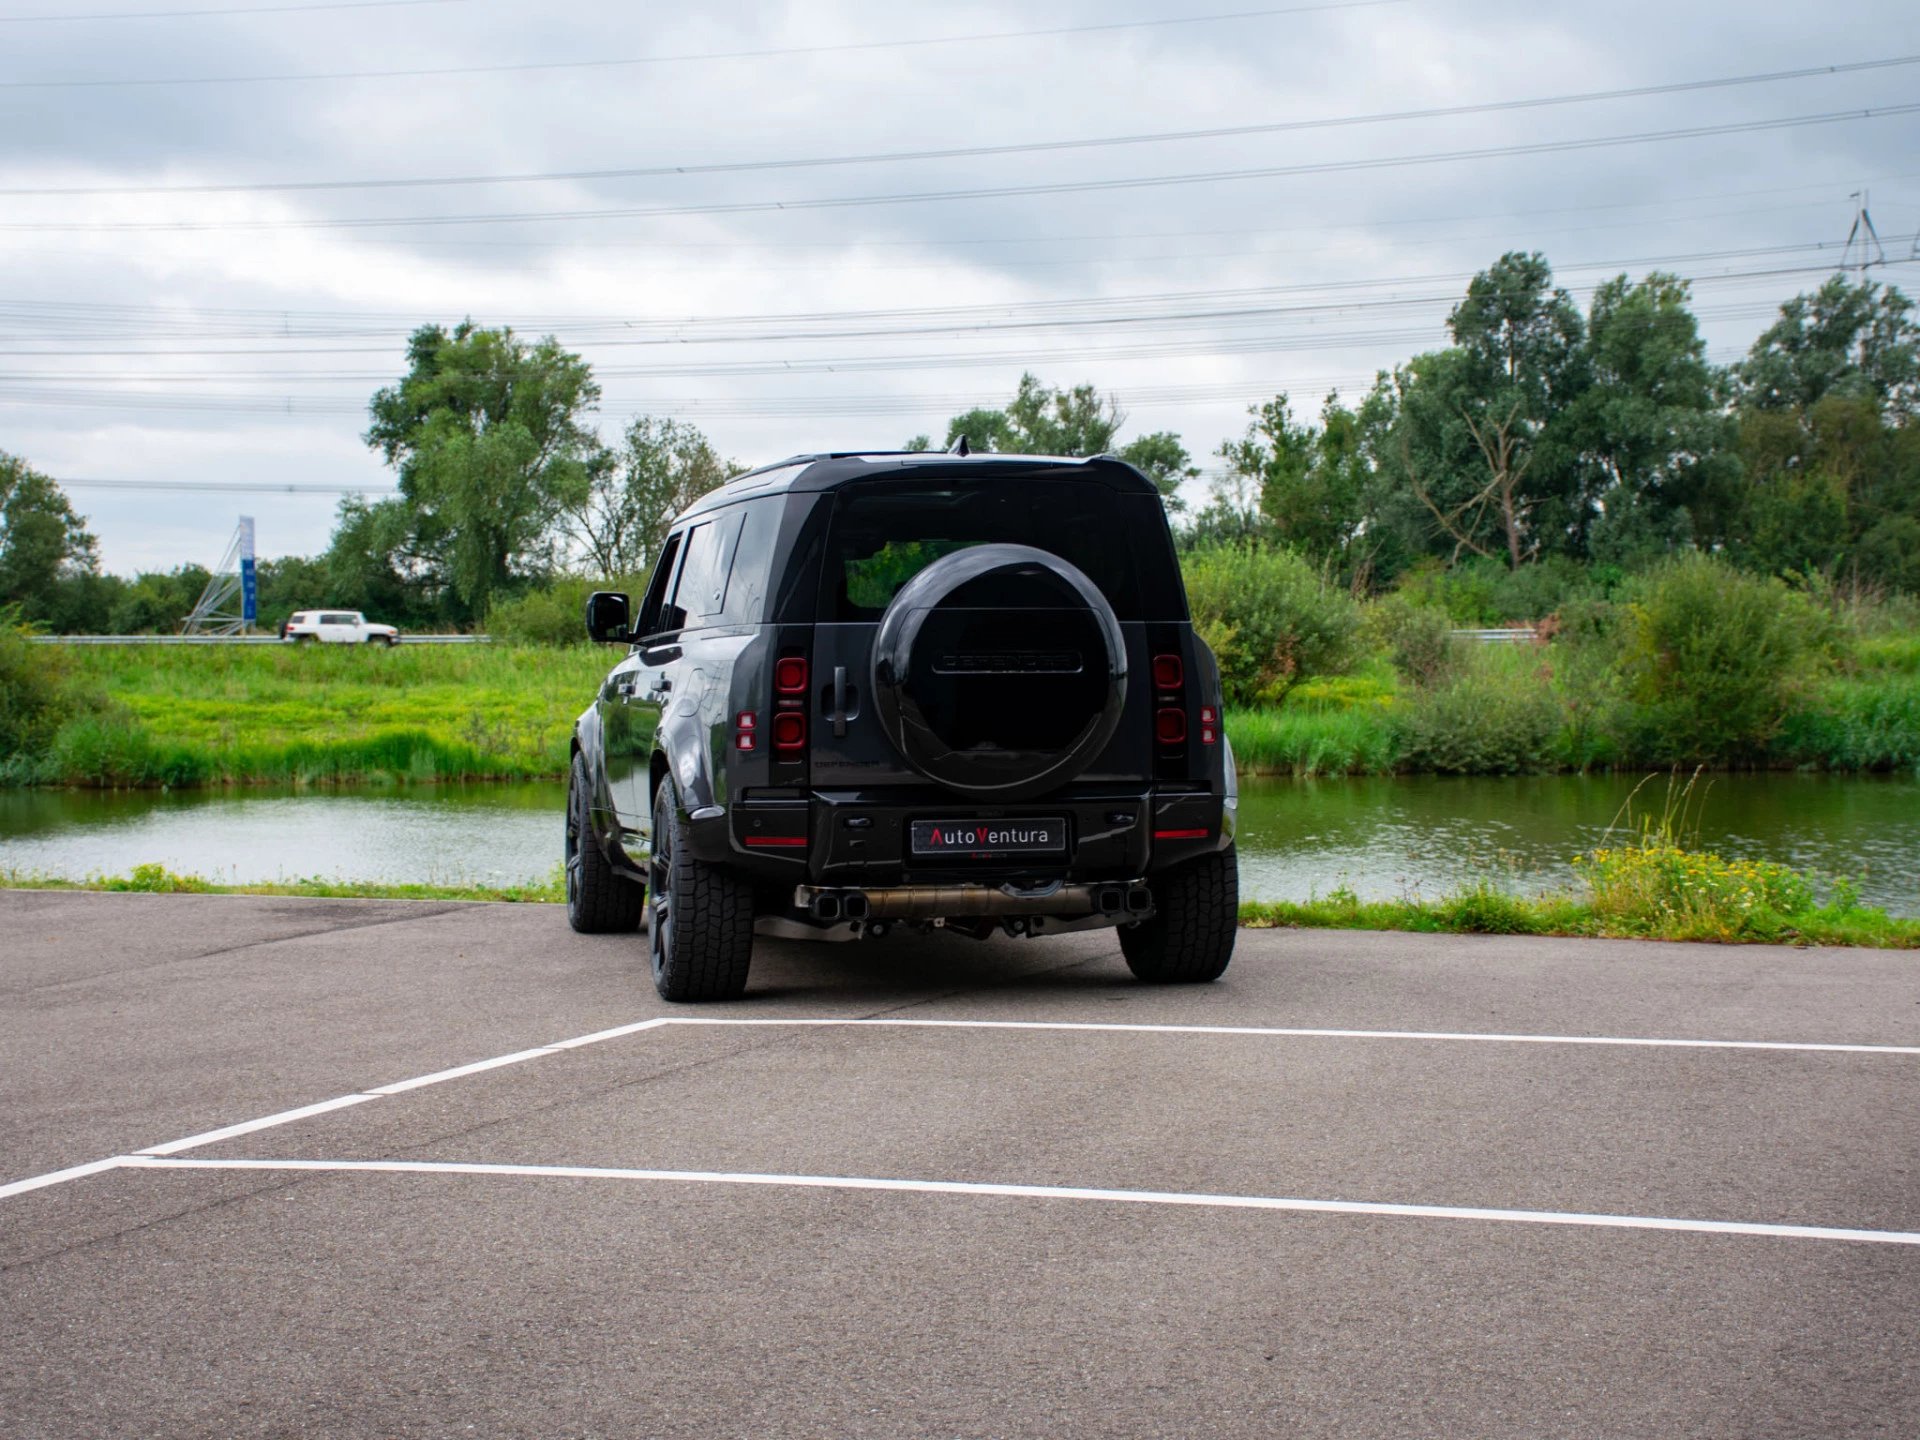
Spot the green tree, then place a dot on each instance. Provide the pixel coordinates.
(487, 435)
(1651, 435)
(1857, 341)
(42, 541)
(1311, 481)
(1476, 433)
(1040, 420)
(370, 565)
(661, 467)
(1165, 461)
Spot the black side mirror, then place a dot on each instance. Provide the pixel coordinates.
(608, 614)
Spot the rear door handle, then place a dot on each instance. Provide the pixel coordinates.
(840, 714)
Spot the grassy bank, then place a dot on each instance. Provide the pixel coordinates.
(158, 880)
(1650, 889)
(313, 715)
(183, 717)
(1513, 710)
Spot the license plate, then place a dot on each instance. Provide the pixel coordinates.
(985, 839)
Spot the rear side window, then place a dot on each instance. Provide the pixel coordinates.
(702, 592)
(884, 535)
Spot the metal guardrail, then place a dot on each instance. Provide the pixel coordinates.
(235, 640)
(1515, 635)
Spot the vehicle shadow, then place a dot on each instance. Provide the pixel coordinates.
(910, 967)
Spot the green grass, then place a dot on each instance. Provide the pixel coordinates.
(1488, 912)
(166, 716)
(1648, 890)
(158, 880)
(320, 715)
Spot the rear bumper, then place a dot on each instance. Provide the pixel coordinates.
(852, 839)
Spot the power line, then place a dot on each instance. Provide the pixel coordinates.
(242, 12)
(1061, 187)
(1164, 307)
(243, 487)
(1638, 92)
(850, 47)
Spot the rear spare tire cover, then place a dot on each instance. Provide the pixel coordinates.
(999, 671)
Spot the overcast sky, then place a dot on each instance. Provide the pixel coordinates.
(152, 331)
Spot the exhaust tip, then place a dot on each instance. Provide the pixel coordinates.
(1112, 899)
(855, 906)
(1139, 900)
(827, 907)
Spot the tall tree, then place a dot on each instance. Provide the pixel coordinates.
(1310, 480)
(1475, 433)
(1857, 341)
(42, 540)
(1040, 420)
(661, 467)
(1651, 435)
(487, 433)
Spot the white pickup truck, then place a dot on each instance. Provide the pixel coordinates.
(336, 627)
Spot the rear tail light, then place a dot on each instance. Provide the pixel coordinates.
(1170, 725)
(789, 734)
(789, 720)
(1209, 725)
(1168, 672)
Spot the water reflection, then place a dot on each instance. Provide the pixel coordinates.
(1428, 835)
(1381, 838)
(439, 835)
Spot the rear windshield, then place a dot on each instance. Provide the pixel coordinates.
(884, 535)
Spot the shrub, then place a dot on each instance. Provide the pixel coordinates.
(1493, 718)
(36, 692)
(1481, 592)
(1714, 659)
(1871, 724)
(1271, 618)
(1657, 887)
(1417, 637)
(556, 613)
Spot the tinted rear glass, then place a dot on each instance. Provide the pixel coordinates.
(884, 535)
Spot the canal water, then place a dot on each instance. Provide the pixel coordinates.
(1381, 838)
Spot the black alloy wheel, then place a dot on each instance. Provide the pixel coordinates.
(700, 939)
(600, 900)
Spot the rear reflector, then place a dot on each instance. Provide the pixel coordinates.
(1170, 725)
(1168, 672)
(790, 675)
(775, 842)
(746, 726)
(1209, 725)
(1180, 834)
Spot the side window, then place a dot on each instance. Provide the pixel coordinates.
(656, 597)
(753, 560)
(703, 594)
(690, 589)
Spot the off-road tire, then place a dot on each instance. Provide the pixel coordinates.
(1189, 938)
(700, 937)
(600, 900)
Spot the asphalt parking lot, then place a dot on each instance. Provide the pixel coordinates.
(279, 1167)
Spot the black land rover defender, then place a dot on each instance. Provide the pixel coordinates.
(867, 692)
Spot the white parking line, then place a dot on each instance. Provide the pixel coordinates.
(439, 1077)
(1051, 1192)
(1291, 1032)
